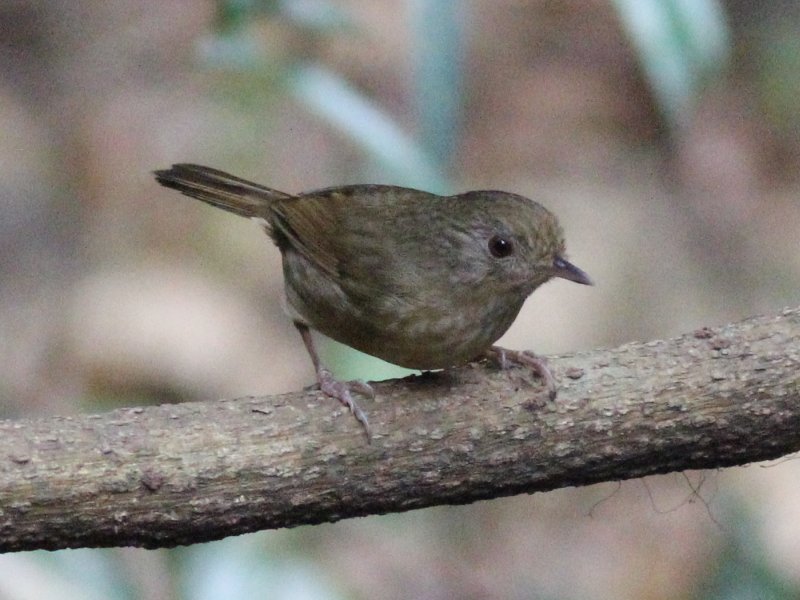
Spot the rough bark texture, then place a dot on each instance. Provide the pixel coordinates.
(193, 472)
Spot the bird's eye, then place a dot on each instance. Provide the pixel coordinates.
(500, 247)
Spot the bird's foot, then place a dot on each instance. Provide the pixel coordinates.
(505, 358)
(340, 390)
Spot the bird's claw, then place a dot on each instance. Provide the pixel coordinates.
(505, 358)
(340, 390)
(361, 387)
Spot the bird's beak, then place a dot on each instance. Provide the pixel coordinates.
(566, 270)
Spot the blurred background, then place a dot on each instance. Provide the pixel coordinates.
(664, 133)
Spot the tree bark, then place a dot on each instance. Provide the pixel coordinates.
(178, 474)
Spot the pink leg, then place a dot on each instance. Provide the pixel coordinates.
(330, 386)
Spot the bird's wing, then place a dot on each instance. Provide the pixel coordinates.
(345, 230)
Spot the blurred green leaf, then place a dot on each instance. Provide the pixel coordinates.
(236, 50)
(681, 44)
(438, 54)
(233, 14)
(362, 121)
(318, 15)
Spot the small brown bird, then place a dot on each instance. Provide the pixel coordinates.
(419, 280)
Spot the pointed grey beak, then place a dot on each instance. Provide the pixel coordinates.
(566, 270)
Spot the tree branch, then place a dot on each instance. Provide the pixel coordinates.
(193, 472)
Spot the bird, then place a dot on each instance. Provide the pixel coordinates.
(420, 280)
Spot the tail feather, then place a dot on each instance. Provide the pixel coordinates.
(220, 189)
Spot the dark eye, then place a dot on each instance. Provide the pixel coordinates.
(500, 247)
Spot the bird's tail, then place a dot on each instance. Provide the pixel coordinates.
(220, 189)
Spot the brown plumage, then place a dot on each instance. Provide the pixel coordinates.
(419, 280)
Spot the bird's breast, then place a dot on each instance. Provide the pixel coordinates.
(432, 334)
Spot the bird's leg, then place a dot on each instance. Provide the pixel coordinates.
(330, 386)
(505, 358)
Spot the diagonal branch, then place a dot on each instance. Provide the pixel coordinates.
(185, 473)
